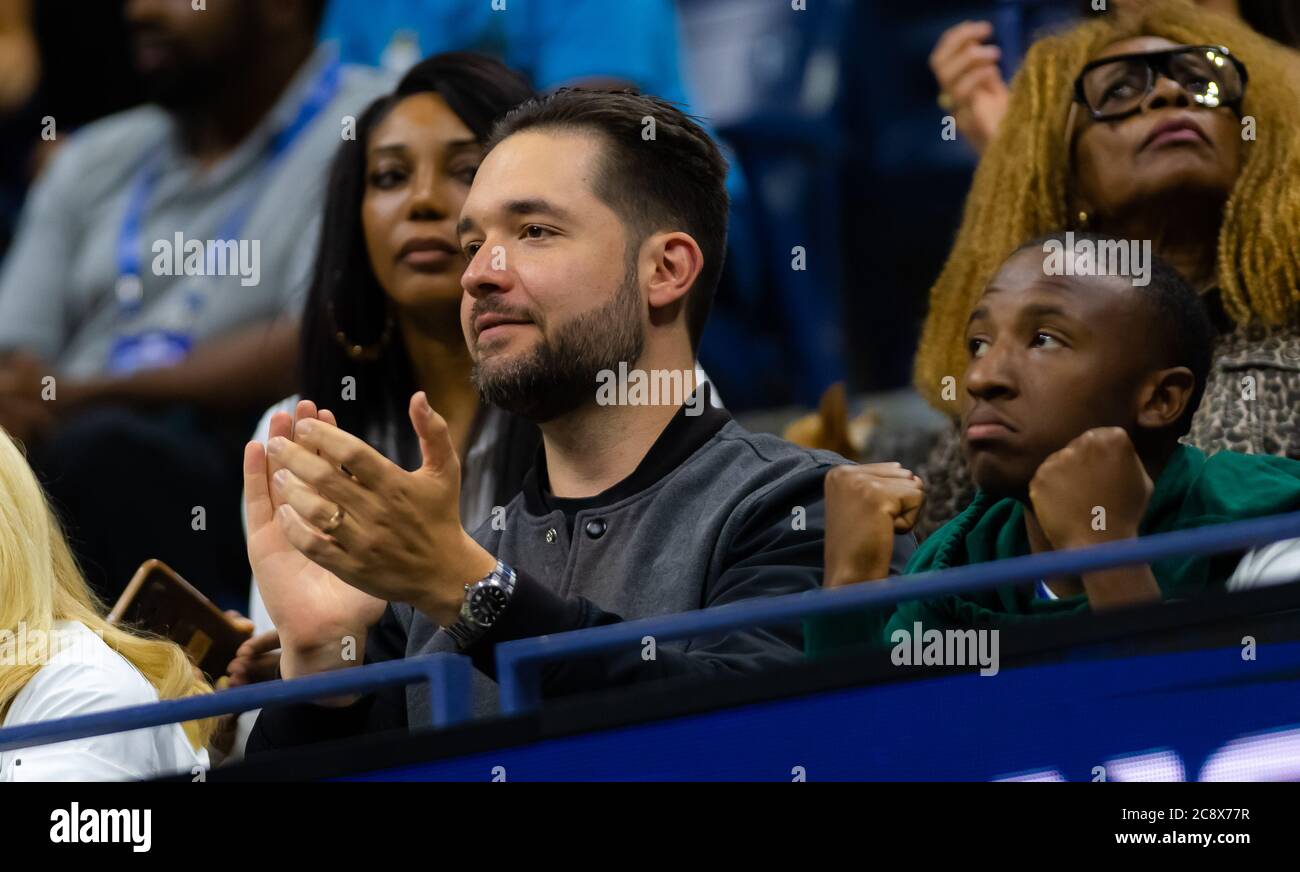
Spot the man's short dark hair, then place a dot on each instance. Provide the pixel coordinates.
(675, 180)
(1182, 328)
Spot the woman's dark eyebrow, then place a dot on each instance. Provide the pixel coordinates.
(979, 313)
(400, 149)
(391, 148)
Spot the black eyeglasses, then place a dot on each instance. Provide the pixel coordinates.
(1114, 87)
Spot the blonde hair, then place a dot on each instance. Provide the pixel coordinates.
(1021, 187)
(41, 584)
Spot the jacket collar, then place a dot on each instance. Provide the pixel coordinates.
(683, 436)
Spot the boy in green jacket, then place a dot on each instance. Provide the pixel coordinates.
(1077, 390)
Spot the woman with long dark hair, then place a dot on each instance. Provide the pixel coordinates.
(382, 316)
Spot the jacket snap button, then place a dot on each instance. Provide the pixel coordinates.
(596, 528)
(551, 536)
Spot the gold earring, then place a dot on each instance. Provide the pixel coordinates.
(1083, 218)
(355, 351)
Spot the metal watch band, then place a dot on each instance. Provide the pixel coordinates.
(470, 626)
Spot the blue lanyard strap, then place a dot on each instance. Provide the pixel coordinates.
(128, 243)
(128, 240)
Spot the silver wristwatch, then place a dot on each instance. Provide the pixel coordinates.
(485, 600)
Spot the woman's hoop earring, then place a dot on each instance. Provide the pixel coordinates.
(355, 351)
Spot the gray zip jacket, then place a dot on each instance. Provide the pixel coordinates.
(713, 515)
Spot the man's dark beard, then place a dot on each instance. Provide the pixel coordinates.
(560, 375)
(184, 91)
(190, 84)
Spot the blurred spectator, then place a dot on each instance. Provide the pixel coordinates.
(148, 307)
(971, 85)
(1220, 206)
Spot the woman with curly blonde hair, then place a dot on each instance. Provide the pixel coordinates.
(1108, 131)
(59, 657)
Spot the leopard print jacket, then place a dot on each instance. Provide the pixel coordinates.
(1251, 405)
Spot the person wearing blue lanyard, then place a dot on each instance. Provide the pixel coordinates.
(149, 305)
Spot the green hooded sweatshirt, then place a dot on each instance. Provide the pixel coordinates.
(1193, 491)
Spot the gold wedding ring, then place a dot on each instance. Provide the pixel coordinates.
(945, 101)
(335, 521)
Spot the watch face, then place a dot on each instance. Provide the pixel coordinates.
(487, 603)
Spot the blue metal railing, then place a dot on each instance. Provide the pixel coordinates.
(448, 676)
(519, 663)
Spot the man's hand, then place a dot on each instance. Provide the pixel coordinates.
(394, 534)
(865, 507)
(967, 71)
(1093, 490)
(1096, 490)
(313, 610)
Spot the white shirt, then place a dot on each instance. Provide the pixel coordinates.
(85, 675)
(1278, 563)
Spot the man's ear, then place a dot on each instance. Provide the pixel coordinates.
(1165, 397)
(675, 264)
